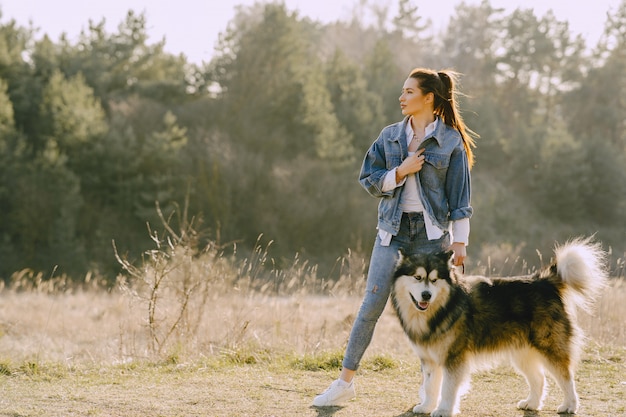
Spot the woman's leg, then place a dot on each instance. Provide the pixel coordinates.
(412, 238)
(382, 265)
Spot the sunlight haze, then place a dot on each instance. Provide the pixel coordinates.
(192, 27)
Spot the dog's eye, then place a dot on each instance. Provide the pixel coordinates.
(433, 280)
(418, 278)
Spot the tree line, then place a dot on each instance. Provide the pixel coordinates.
(105, 137)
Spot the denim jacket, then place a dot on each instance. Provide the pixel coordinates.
(444, 178)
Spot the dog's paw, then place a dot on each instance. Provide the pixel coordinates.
(567, 408)
(528, 405)
(423, 409)
(440, 412)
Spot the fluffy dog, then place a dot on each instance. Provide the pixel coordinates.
(459, 324)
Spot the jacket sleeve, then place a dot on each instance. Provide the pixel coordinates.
(458, 185)
(374, 170)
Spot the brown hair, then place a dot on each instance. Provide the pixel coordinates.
(442, 85)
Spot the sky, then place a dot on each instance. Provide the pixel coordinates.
(191, 27)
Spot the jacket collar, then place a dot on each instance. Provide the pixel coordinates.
(438, 134)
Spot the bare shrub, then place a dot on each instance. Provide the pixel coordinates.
(174, 283)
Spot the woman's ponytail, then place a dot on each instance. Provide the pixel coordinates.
(448, 85)
(443, 85)
(451, 113)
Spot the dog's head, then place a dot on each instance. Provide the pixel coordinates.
(423, 279)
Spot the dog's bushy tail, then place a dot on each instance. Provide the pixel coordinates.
(581, 264)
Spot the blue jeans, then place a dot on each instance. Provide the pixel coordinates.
(412, 238)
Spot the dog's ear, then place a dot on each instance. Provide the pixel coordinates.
(446, 256)
(449, 258)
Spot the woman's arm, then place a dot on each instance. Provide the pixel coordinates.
(374, 170)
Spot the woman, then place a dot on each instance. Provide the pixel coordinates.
(420, 170)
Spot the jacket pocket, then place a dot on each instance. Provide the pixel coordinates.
(433, 173)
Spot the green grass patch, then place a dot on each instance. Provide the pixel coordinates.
(325, 361)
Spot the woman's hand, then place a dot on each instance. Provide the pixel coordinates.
(460, 253)
(410, 165)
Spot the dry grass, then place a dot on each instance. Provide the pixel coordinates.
(98, 327)
(241, 342)
(86, 353)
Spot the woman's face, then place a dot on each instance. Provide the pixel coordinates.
(413, 101)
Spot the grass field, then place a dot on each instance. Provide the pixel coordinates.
(194, 337)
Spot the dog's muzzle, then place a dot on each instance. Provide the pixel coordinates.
(422, 305)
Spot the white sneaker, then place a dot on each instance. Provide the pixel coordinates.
(338, 393)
